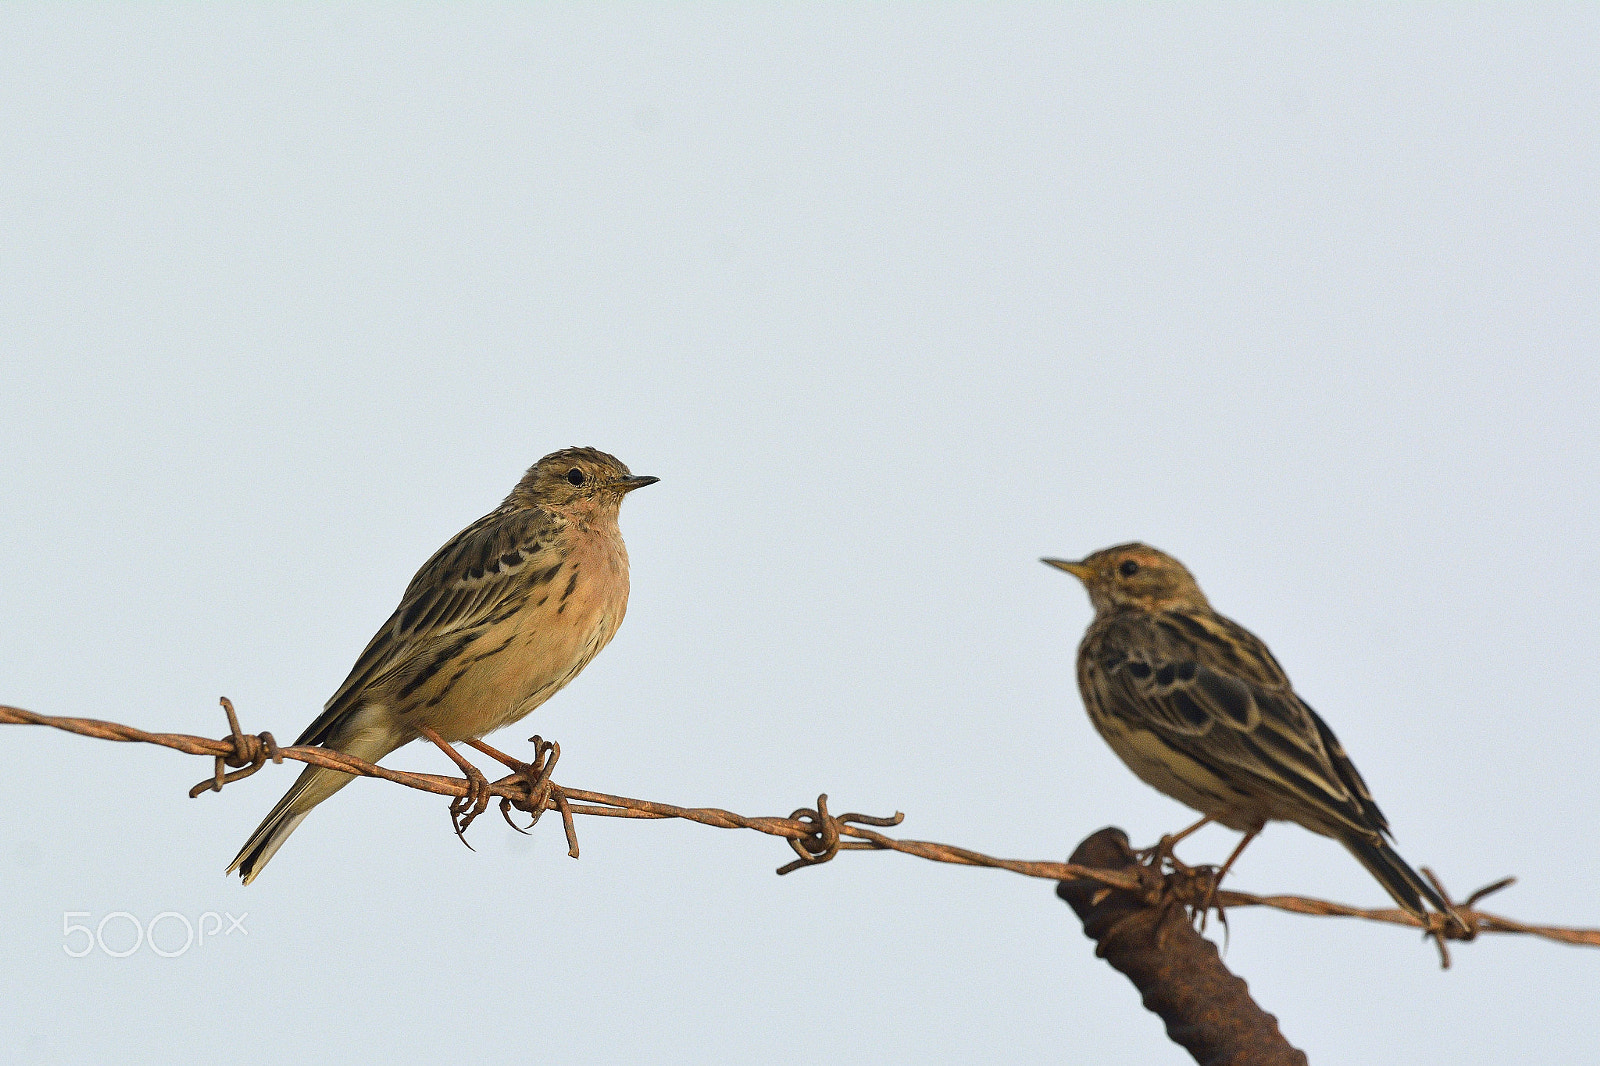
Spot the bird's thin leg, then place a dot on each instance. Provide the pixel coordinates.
(1216, 882)
(1248, 837)
(463, 809)
(538, 764)
(1163, 850)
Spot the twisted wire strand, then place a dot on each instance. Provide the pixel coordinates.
(815, 834)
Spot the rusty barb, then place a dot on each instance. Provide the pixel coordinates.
(824, 841)
(251, 752)
(815, 834)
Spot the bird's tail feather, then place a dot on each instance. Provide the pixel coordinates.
(315, 784)
(1407, 887)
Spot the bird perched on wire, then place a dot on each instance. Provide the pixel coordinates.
(502, 616)
(1199, 709)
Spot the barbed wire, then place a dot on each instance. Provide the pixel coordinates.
(815, 834)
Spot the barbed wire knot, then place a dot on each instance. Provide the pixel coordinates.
(824, 840)
(249, 751)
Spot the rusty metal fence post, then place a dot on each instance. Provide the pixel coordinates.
(1180, 975)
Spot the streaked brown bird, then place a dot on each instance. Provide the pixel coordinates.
(1198, 707)
(497, 622)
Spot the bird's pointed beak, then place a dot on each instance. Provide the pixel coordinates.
(628, 484)
(1077, 570)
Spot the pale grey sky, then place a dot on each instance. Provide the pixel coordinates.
(894, 299)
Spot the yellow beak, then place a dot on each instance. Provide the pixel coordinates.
(1077, 570)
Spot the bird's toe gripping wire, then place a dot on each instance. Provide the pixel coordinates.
(542, 793)
(1163, 853)
(465, 808)
(1171, 884)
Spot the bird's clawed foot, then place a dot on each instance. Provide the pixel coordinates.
(1202, 911)
(543, 793)
(1193, 887)
(464, 809)
(1189, 889)
(1161, 855)
(1216, 876)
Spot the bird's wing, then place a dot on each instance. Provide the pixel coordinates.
(481, 575)
(1210, 689)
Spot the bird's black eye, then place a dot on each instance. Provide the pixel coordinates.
(575, 476)
(1128, 568)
